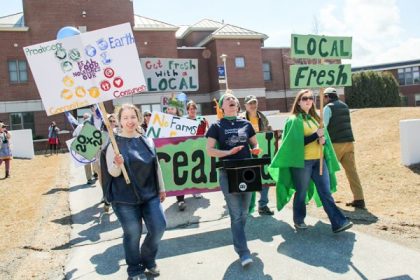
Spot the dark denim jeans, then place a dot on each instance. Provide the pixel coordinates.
(263, 197)
(238, 205)
(131, 216)
(301, 178)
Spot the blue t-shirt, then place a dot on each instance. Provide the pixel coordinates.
(232, 133)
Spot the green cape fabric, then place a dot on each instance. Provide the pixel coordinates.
(291, 154)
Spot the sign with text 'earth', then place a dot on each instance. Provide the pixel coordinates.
(85, 69)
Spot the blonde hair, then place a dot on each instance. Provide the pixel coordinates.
(296, 109)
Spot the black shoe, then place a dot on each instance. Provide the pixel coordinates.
(346, 226)
(90, 182)
(265, 211)
(95, 175)
(181, 206)
(357, 204)
(7, 174)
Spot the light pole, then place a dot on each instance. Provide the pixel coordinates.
(223, 57)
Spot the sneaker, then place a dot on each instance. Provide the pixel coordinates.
(182, 205)
(265, 211)
(141, 276)
(346, 226)
(301, 226)
(154, 271)
(90, 182)
(245, 261)
(360, 203)
(197, 195)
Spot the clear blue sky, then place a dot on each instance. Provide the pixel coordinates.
(382, 30)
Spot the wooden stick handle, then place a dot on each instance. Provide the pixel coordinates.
(321, 125)
(112, 138)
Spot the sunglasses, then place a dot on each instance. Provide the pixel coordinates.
(148, 115)
(306, 98)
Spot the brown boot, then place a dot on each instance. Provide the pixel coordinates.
(7, 174)
(357, 204)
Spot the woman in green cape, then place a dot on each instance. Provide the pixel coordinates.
(296, 166)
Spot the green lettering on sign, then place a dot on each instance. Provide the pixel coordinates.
(88, 142)
(317, 76)
(314, 46)
(186, 164)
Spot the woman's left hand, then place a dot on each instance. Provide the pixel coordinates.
(321, 140)
(256, 151)
(162, 196)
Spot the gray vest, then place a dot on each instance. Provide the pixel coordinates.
(339, 126)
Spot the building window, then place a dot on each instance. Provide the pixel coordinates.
(240, 62)
(17, 71)
(417, 99)
(267, 71)
(22, 121)
(409, 75)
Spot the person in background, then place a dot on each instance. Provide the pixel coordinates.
(146, 119)
(53, 137)
(231, 138)
(337, 121)
(296, 165)
(174, 109)
(201, 129)
(5, 148)
(97, 164)
(259, 123)
(141, 200)
(88, 166)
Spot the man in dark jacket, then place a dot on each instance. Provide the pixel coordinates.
(337, 120)
(259, 123)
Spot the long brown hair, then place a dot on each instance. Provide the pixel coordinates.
(296, 109)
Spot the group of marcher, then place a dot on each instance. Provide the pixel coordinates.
(305, 148)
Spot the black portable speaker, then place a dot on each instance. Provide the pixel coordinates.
(244, 175)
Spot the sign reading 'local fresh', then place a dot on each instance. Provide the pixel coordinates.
(320, 47)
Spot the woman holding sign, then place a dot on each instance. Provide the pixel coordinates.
(296, 166)
(231, 138)
(141, 199)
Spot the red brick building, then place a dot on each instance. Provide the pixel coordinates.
(407, 74)
(251, 68)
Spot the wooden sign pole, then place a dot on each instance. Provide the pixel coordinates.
(112, 138)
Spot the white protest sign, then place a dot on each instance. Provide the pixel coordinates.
(165, 125)
(170, 74)
(89, 68)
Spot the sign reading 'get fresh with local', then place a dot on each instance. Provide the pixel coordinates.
(86, 69)
(170, 74)
(320, 47)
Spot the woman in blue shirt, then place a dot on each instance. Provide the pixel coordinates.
(230, 138)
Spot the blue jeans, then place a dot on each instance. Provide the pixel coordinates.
(263, 197)
(301, 178)
(131, 216)
(238, 205)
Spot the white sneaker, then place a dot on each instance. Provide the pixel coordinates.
(197, 195)
(246, 261)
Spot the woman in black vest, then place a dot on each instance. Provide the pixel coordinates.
(141, 199)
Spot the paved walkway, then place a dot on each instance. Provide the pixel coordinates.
(197, 245)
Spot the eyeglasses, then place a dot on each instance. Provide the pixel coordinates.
(306, 98)
(112, 121)
(148, 115)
